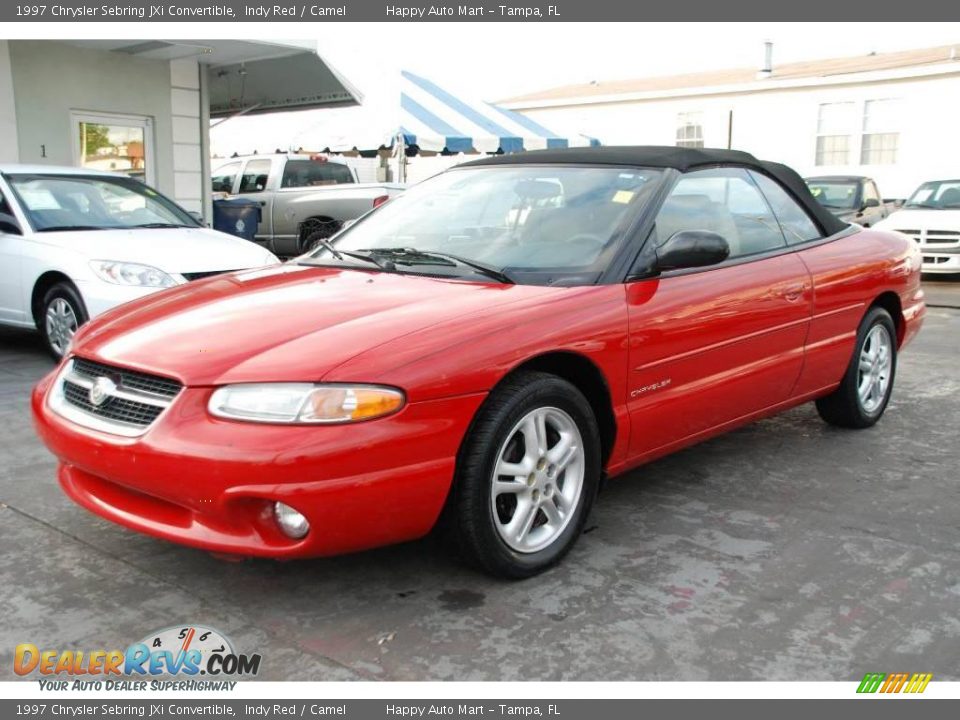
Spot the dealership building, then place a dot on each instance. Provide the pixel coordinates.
(883, 115)
(144, 108)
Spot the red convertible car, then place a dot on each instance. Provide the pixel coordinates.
(483, 348)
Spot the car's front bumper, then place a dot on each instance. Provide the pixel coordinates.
(211, 483)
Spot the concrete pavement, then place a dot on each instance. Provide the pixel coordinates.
(786, 550)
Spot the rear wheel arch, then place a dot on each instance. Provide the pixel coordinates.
(890, 302)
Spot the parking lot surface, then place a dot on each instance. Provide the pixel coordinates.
(786, 550)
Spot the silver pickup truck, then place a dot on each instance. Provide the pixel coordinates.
(304, 198)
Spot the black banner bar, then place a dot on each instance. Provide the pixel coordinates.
(443, 709)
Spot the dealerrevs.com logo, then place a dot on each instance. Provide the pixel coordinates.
(178, 651)
(889, 683)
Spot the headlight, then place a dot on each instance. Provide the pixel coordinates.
(126, 273)
(304, 402)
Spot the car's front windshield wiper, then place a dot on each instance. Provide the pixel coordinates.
(153, 225)
(66, 228)
(928, 206)
(407, 253)
(339, 255)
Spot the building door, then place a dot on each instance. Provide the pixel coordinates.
(114, 143)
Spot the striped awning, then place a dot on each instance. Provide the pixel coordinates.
(435, 120)
(425, 116)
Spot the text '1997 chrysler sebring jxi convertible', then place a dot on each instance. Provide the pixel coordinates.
(483, 350)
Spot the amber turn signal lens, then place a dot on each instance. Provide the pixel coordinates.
(350, 404)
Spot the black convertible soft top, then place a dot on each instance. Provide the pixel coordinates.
(682, 159)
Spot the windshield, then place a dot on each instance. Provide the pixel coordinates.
(85, 202)
(834, 194)
(938, 195)
(538, 225)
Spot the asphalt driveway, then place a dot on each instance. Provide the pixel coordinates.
(786, 550)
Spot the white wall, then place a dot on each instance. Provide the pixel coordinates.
(9, 149)
(51, 79)
(781, 125)
(186, 129)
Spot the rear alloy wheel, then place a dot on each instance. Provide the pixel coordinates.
(527, 475)
(63, 314)
(863, 394)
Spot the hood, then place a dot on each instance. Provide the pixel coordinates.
(921, 219)
(283, 323)
(173, 250)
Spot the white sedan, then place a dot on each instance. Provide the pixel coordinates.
(74, 243)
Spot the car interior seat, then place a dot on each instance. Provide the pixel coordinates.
(697, 212)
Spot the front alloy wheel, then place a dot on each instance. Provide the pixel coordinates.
(61, 324)
(527, 475)
(62, 315)
(537, 480)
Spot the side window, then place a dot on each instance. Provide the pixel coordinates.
(315, 173)
(725, 201)
(796, 224)
(224, 177)
(255, 174)
(870, 191)
(4, 207)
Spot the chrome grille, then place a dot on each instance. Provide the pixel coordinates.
(128, 378)
(935, 239)
(127, 403)
(115, 408)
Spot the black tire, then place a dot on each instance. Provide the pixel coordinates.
(315, 233)
(844, 407)
(67, 293)
(472, 514)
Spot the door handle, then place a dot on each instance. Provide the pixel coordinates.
(792, 293)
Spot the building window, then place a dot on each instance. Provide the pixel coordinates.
(114, 143)
(690, 130)
(880, 136)
(835, 125)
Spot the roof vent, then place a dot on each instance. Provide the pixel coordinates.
(767, 69)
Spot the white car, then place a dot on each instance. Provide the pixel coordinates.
(75, 242)
(932, 218)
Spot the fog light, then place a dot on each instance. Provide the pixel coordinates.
(292, 523)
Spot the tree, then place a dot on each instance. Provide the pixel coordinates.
(93, 137)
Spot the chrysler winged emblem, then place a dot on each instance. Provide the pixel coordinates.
(101, 391)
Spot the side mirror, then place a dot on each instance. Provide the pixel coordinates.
(9, 224)
(691, 249)
(871, 203)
